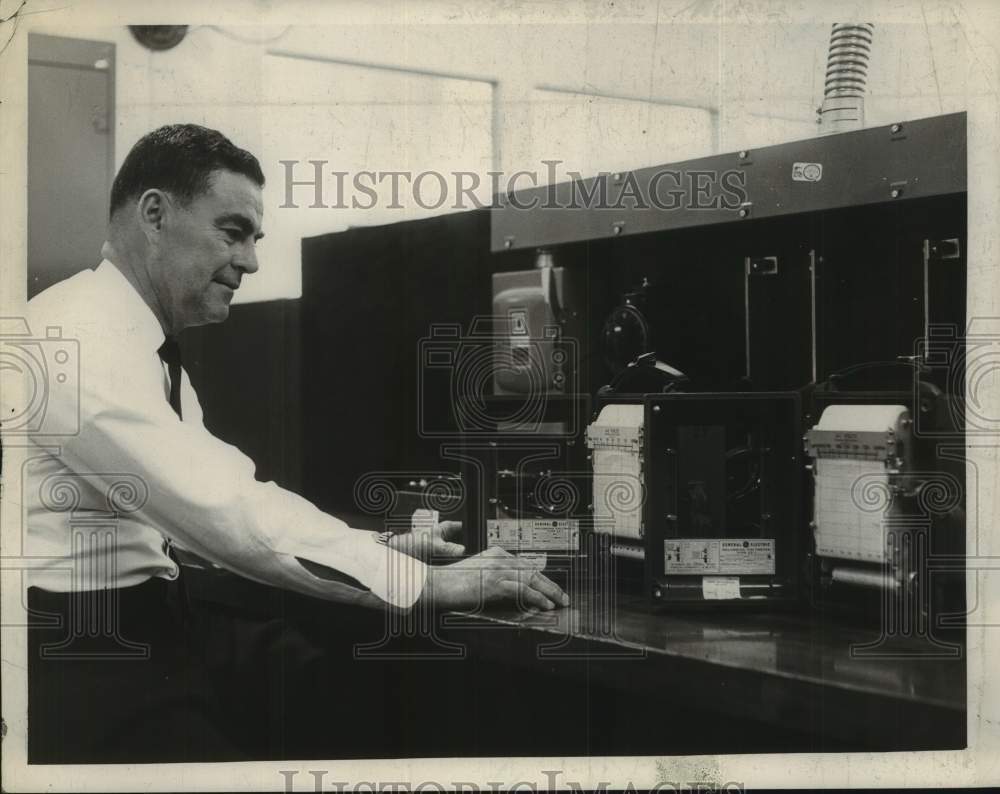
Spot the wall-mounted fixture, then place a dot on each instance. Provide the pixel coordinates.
(159, 37)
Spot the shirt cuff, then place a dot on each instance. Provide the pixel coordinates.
(394, 577)
(399, 580)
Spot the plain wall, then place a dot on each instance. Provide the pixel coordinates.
(600, 88)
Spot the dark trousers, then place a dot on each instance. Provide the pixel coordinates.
(113, 676)
(141, 675)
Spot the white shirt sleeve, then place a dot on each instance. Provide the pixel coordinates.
(202, 492)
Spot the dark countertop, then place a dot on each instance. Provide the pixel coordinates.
(796, 673)
(801, 647)
(749, 681)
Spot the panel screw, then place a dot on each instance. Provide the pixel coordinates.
(743, 212)
(896, 127)
(656, 409)
(894, 192)
(617, 228)
(506, 243)
(744, 154)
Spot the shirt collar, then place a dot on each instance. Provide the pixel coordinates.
(130, 308)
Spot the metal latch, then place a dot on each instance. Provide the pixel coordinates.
(762, 265)
(948, 248)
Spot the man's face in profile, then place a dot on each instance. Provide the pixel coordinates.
(206, 248)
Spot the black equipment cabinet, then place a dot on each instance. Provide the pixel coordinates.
(843, 255)
(784, 284)
(372, 298)
(879, 286)
(851, 268)
(722, 478)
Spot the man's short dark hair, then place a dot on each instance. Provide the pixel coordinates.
(180, 158)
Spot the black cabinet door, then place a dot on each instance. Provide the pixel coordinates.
(372, 297)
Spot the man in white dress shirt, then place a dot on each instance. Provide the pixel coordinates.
(186, 213)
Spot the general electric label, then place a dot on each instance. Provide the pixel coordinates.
(534, 534)
(715, 556)
(746, 556)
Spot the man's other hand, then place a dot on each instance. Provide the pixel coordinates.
(490, 577)
(430, 542)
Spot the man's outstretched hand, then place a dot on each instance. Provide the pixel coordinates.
(430, 542)
(491, 577)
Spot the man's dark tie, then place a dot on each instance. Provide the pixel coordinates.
(170, 352)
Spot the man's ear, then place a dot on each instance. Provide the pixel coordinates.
(151, 209)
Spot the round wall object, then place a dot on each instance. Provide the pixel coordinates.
(159, 37)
